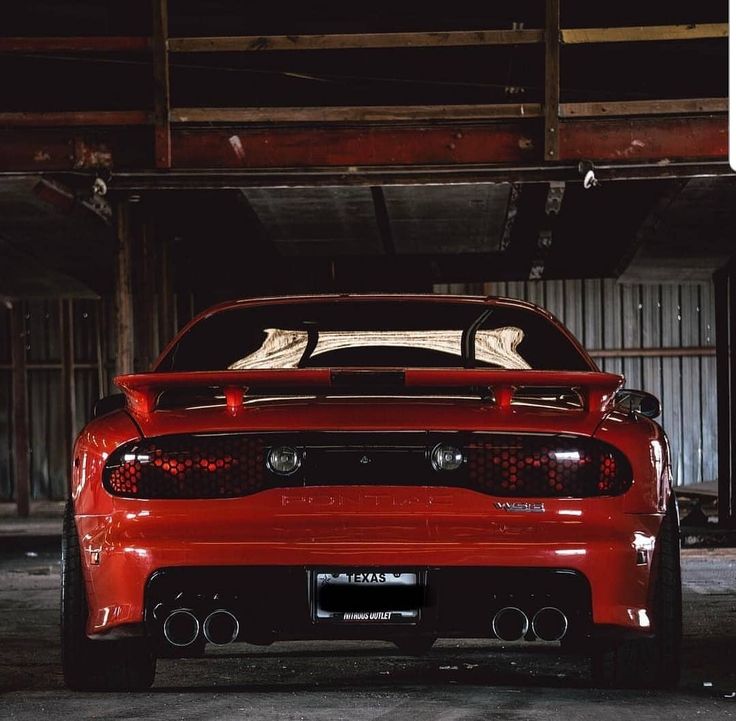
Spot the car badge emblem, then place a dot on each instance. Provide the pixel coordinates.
(520, 507)
(365, 460)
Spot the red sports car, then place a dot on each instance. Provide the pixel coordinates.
(400, 468)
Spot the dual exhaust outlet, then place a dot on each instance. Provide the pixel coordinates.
(220, 627)
(182, 627)
(547, 624)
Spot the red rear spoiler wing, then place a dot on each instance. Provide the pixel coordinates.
(596, 389)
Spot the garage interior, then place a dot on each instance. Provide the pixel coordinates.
(158, 157)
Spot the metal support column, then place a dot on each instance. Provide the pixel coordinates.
(725, 298)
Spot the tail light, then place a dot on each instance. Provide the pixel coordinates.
(240, 464)
(218, 466)
(541, 466)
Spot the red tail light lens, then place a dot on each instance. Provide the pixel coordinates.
(219, 466)
(542, 466)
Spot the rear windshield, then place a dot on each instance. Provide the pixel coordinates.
(374, 334)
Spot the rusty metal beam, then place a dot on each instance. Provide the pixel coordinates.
(348, 146)
(508, 145)
(652, 139)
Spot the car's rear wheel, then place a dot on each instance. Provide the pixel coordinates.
(651, 662)
(122, 665)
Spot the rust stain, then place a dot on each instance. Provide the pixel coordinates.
(526, 143)
(88, 155)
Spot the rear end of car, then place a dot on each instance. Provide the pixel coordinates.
(401, 504)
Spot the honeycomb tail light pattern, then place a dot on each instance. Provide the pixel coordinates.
(496, 464)
(217, 466)
(544, 466)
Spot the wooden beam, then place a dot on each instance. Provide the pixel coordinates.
(684, 106)
(365, 113)
(21, 430)
(161, 84)
(356, 114)
(260, 43)
(69, 397)
(648, 33)
(552, 80)
(77, 118)
(124, 330)
(91, 44)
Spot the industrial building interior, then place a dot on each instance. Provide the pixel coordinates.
(156, 158)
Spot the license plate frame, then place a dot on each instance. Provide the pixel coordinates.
(375, 588)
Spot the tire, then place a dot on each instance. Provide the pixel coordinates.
(121, 665)
(652, 662)
(415, 646)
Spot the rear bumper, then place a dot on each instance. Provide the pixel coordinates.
(593, 538)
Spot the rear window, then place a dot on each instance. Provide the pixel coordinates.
(374, 334)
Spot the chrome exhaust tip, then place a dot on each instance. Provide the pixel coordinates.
(510, 624)
(221, 627)
(181, 628)
(549, 624)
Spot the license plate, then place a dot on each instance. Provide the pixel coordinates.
(366, 597)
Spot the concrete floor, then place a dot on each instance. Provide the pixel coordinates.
(357, 681)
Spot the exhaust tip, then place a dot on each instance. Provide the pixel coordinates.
(181, 628)
(549, 624)
(221, 627)
(510, 624)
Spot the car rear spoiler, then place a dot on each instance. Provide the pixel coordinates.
(595, 389)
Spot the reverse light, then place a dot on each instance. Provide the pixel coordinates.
(283, 460)
(446, 458)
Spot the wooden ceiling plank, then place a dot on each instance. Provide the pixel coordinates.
(644, 33)
(261, 43)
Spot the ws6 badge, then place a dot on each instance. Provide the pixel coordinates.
(520, 506)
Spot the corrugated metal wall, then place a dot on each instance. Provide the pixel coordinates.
(93, 366)
(606, 315)
(602, 314)
(42, 326)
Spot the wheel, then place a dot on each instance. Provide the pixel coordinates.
(652, 662)
(122, 665)
(415, 645)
